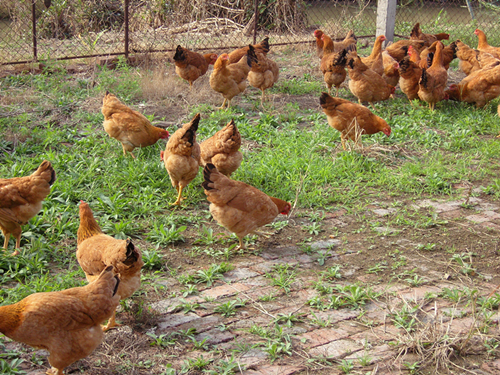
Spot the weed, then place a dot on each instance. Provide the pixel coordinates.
(229, 308)
(346, 365)
(162, 340)
(283, 276)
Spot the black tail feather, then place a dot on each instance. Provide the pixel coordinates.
(209, 167)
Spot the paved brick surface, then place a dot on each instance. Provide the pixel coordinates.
(366, 333)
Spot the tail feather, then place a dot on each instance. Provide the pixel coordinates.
(251, 56)
(424, 78)
(132, 256)
(340, 59)
(207, 171)
(415, 32)
(46, 171)
(326, 100)
(190, 133)
(265, 44)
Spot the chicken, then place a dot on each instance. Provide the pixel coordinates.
(364, 83)
(391, 72)
(417, 34)
(333, 65)
(238, 207)
(433, 80)
(349, 40)
(319, 42)
(127, 126)
(65, 323)
(479, 87)
(351, 119)
(375, 61)
(409, 74)
(191, 65)
(230, 79)
(264, 74)
(97, 250)
(222, 149)
(483, 45)
(262, 47)
(182, 157)
(449, 53)
(21, 199)
(399, 49)
(468, 58)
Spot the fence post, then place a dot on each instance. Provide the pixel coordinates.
(126, 28)
(33, 21)
(386, 18)
(256, 21)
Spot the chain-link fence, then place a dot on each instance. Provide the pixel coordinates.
(32, 30)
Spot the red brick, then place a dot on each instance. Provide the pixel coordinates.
(381, 333)
(450, 215)
(336, 349)
(484, 216)
(225, 290)
(322, 336)
(274, 370)
(416, 294)
(376, 354)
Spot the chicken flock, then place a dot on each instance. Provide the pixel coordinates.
(68, 323)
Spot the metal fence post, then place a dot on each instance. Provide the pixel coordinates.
(33, 20)
(256, 22)
(386, 18)
(126, 28)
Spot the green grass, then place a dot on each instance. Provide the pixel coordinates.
(295, 156)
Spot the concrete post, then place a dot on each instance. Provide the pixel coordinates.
(386, 18)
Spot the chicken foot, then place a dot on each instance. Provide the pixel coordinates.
(179, 197)
(18, 243)
(125, 152)
(54, 371)
(224, 103)
(111, 323)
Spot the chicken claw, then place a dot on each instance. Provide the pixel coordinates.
(111, 324)
(54, 371)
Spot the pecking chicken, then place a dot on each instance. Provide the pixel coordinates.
(364, 83)
(433, 80)
(483, 45)
(97, 250)
(409, 74)
(65, 323)
(468, 57)
(449, 53)
(238, 207)
(230, 79)
(182, 156)
(262, 47)
(399, 49)
(191, 65)
(127, 126)
(417, 34)
(333, 65)
(375, 61)
(350, 119)
(222, 149)
(479, 87)
(264, 74)
(21, 199)
(391, 72)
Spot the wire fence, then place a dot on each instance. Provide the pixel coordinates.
(38, 30)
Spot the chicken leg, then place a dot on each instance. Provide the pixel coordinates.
(111, 323)
(18, 242)
(179, 197)
(54, 371)
(125, 152)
